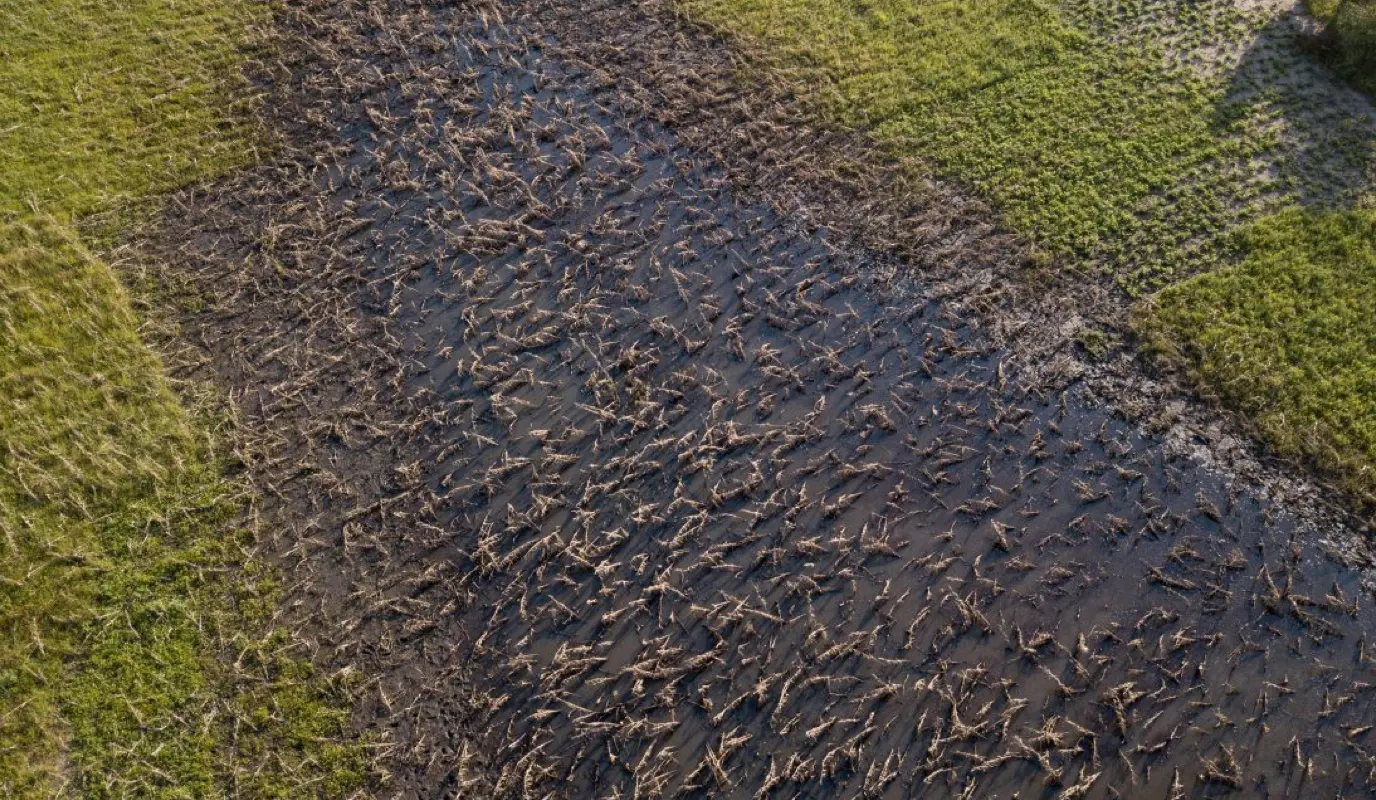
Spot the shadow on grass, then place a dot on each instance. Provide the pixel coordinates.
(1347, 41)
(1284, 90)
(1283, 334)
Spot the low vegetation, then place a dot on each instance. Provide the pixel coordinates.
(1098, 152)
(137, 658)
(1141, 139)
(1286, 337)
(1350, 33)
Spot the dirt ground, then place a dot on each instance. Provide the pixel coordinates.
(627, 437)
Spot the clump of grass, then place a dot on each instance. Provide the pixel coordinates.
(1286, 336)
(123, 582)
(1098, 344)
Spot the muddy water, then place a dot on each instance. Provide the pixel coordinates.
(711, 511)
(737, 522)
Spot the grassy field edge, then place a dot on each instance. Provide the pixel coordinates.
(139, 654)
(1094, 132)
(1285, 336)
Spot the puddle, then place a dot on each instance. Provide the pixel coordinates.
(698, 508)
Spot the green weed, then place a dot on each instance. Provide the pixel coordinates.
(1091, 145)
(111, 99)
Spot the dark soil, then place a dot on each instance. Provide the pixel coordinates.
(628, 437)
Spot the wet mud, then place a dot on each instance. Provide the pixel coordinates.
(610, 479)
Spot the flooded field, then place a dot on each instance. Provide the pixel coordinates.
(612, 482)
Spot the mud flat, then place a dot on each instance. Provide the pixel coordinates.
(612, 479)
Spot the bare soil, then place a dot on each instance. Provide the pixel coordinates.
(628, 436)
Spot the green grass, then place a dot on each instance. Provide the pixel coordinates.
(1351, 29)
(1288, 337)
(1152, 141)
(122, 583)
(1099, 153)
(111, 99)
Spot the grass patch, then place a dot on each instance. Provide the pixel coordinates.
(1286, 336)
(1099, 153)
(111, 99)
(122, 572)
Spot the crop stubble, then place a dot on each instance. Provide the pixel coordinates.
(611, 477)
